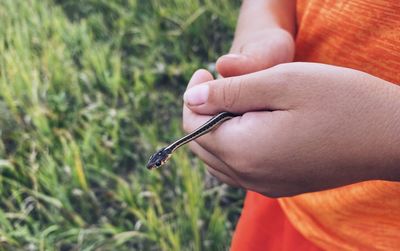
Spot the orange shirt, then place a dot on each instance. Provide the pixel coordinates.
(363, 35)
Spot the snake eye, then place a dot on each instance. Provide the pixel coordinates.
(158, 163)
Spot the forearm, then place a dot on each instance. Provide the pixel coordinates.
(256, 15)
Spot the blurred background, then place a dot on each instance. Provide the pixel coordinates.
(88, 91)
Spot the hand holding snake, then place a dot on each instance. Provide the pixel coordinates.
(304, 127)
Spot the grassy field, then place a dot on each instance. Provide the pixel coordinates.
(88, 91)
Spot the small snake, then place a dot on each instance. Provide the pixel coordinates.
(159, 158)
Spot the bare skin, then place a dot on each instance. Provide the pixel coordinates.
(305, 127)
(263, 37)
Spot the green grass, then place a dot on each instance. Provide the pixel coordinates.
(88, 91)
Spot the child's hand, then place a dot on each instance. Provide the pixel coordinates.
(305, 127)
(257, 51)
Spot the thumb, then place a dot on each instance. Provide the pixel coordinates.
(260, 54)
(252, 92)
(252, 58)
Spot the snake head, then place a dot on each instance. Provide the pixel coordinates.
(159, 158)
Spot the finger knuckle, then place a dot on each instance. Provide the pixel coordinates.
(231, 92)
(292, 72)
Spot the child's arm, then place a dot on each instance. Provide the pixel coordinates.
(256, 15)
(263, 37)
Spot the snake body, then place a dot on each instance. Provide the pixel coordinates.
(162, 156)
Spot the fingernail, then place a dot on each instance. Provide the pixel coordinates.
(196, 96)
(234, 56)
